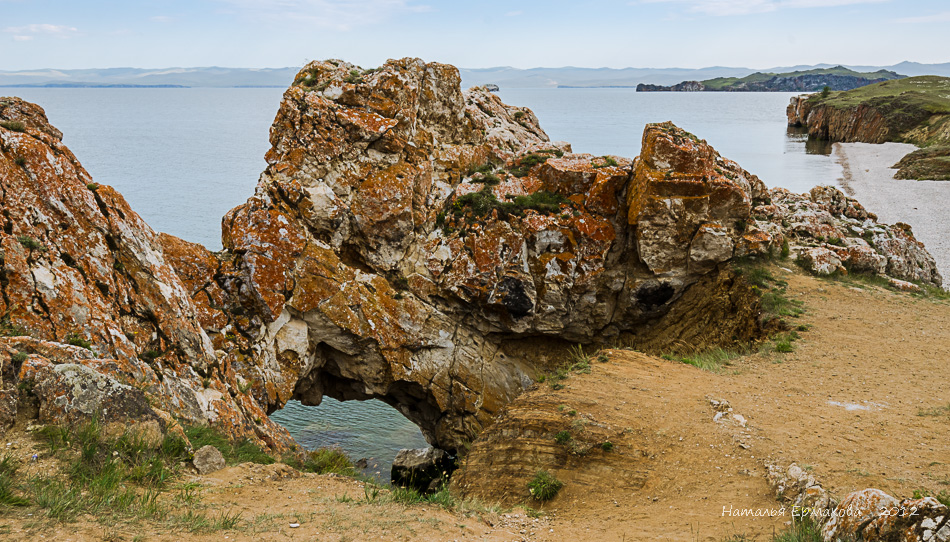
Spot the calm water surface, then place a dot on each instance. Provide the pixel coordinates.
(184, 157)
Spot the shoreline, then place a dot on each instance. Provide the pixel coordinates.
(868, 176)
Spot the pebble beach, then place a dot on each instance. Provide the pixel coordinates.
(868, 176)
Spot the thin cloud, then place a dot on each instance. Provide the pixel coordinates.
(337, 14)
(514, 13)
(746, 7)
(22, 38)
(935, 18)
(161, 19)
(57, 30)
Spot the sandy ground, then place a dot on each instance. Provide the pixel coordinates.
(857, 403)
(925, 205)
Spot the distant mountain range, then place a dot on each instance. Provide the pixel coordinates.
(504, 77)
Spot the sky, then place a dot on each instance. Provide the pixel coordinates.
(72, 34)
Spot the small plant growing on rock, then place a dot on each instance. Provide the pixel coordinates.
(606, 446)
(150, 355)
(354, 77)
(13, 125)
(92, 186)
(19, 358)
(75, 339)
(563, 437)
(607, 161)
(544, 486)
(20, 161)
(526, 162)
(30, 243)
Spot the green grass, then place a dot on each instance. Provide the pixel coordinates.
(931, 163)
(802, 530)
(712, 359)
(323, 461)
(935, 411)
(9, 496)
(943, 497)
(925, 91)
(544, 486)
(234, 452)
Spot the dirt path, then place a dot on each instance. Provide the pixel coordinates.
(854, 404)
(846, 404)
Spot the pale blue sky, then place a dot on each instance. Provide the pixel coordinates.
(522, 33)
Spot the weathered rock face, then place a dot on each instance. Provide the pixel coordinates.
(860, 123)
(831, 232)
(405, 235)
(80, 267)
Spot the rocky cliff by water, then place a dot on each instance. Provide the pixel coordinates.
(913, 110)
(408, 241)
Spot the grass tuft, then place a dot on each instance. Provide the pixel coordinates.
(544, 486)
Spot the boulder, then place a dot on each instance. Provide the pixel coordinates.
(422, 469)
(871, 514)
(208, 459)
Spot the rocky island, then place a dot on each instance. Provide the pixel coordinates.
(410, 242)
(837, 78)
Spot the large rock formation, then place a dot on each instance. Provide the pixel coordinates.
(407, 242)
(406, 238)
(99, 323)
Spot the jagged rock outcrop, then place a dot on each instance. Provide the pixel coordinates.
(831, 232)
(98, 323)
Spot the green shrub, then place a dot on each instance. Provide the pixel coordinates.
(19, 358)
(150, 355)
(544, 486)
(13, 125)
(75, 339)
(526, 162)
(607, 162)
(563, 437)
(484, 168)
(29, 242)
(489, 179)
(354, 77)
(20, 161)
(606, 446)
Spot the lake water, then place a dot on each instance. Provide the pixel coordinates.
(184, 157)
